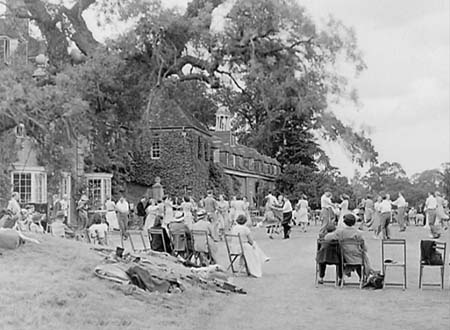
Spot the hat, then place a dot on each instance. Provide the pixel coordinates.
(60, 215)
(349, 219)
(201, 214)
(84, 198)
(178, 216)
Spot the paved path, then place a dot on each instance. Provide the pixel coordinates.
(286, 298)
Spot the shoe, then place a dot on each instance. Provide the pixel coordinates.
(267, 259)
(270, 236)
(320, 281)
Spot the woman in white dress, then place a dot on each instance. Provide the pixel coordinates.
(223, 215)
(301, 213)
(152, 212)
(247, 211)
(187, 207)
(239, 207)
(254, 256)
(233, 210)
(111, 217)
(343, 209)
(168, 211)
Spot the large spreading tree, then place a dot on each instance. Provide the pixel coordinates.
(275, 69)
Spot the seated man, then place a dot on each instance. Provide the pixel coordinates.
(98, 230)
(352, 254)
(157, 243)
(204, 224)
(177, 226)
(58, 227)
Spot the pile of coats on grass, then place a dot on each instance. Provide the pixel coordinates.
(152, 271)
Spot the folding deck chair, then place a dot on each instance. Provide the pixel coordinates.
(235, 251)
(389, 262)
(441, 247)
(201, 248)
(343, 244)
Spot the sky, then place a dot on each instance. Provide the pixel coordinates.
(405, 90)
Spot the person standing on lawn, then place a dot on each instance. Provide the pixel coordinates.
(123, 210)
(401, 204)
(286, 209)
(430, 210)
(385, 216)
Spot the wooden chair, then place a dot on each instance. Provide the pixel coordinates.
(110, 237)
(233, 254)
(354, 245)
(134, 233)
(180, 244)
(393, 243)
(201, 248)
(442, 248)
(157, 232)
(334, 246)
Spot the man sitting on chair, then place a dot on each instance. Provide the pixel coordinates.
(177, 225)
(352, 253)
(204, 224)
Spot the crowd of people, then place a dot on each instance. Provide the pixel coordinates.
(217, 216)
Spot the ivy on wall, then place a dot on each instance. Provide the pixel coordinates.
(8, 155)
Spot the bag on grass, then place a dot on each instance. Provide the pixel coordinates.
(374, 281)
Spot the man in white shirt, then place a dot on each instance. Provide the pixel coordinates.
(123, 209)
(287, 217)
(401, 204)
(385, 216)
(430, 211)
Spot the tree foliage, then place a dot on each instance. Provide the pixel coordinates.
(270, 64)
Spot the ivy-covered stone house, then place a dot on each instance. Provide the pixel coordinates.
(185, 155)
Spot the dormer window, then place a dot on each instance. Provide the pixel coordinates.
(5, 50)
(20, 130)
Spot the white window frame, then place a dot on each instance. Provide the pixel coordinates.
(5, 43)
(105, 187)
(155, 152)
(38, 184)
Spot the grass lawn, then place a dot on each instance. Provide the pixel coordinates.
(52, 286)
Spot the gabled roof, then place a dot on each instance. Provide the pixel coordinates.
(171, 115)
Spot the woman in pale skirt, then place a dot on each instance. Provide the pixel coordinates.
(254, 256)
(111, 217)
(376, 218)
(188, 208)
(343, 209)
(152, 212)
(223, 215)
(301, 213)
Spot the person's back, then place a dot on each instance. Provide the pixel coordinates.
(210, 204)
(352, 253)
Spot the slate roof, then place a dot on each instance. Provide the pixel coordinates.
(221, 141)
(171, 115)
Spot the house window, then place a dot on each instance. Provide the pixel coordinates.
(31, 186)
(98, 189)
(155, 152)
(246, 163)
(199, 148)
(5, 50)
(206, 151)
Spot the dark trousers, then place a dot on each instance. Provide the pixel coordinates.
(287, 217)
(323, 267)
(286, 229)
